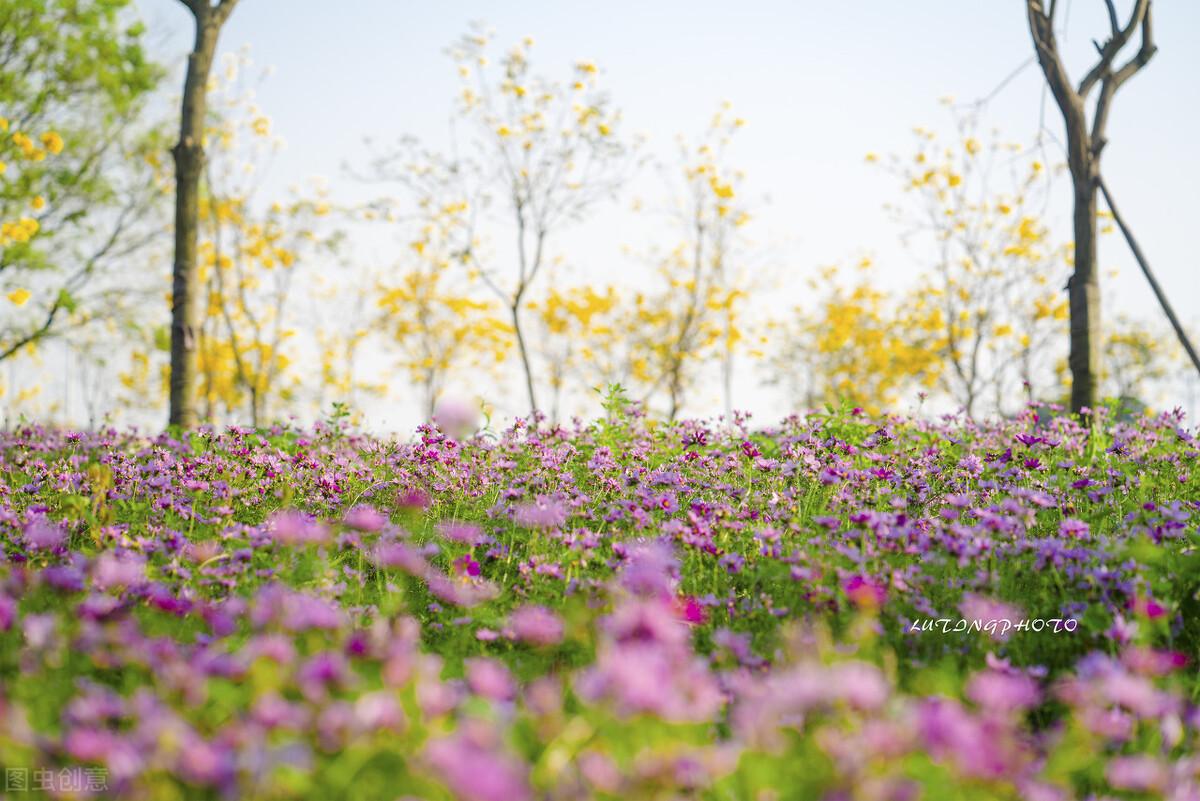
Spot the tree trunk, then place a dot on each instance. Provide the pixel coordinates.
(189, 166)
(1084, 296)
(1083, 157)
(526, 365)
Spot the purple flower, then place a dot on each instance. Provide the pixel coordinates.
(43, 534)
(64, 578)
(650, 569)
(119, 570)
(8, 612)
(1003, 692)
(1071, 527)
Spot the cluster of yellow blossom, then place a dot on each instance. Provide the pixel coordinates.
(23, 228)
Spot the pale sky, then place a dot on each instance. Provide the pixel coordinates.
(820, 84)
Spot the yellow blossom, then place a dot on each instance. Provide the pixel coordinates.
(52, 142)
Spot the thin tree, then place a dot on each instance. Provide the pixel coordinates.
(189, 168)
(1085, 143)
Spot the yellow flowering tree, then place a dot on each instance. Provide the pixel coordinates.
(435, 314)
(693, 315)
(855, 344)
(249, 256)
(993, 285)
(538, 155)
(584, 337)
(436, 329)
(77, 194)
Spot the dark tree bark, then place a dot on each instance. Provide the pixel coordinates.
(1084, 145)
(189, 167)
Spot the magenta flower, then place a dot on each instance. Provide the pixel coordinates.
(865, 592)
(690, 610)
(1147, 607)
(466, 565)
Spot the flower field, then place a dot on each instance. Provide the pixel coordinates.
(837, 607)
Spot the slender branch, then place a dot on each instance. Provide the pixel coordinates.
(1113, 81)
(1144, 54)
(1042, 29)
(1112, 17)
(1141, 260)
(1112, 47)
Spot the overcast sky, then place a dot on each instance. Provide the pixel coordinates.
(820, 84)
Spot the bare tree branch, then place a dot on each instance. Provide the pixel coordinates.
(1141, 260)
(1112, 47)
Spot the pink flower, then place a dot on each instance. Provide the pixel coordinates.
(990, 614)
(475, 769)
(1142, 774)
(650, 569)
(1148, 607)
(466, 533)
(413, 499)
(403, 556)
(365, 518)
(488, 678)
(455, 417)
(296, 528)
(8, 612)
(536, 625)
(114, 571)
(860, 685)
(1003, 692)
(544, 513)
(378, 711)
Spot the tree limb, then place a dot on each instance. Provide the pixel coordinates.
(1112, 47)
(1141, 260)
(1042, 29)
